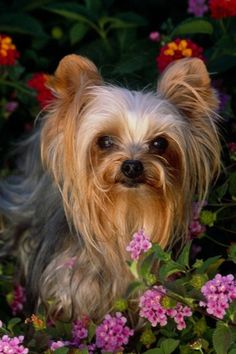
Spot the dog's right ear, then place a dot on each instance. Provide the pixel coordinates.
(73, 74)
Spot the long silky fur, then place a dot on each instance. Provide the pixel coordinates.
(67, 200)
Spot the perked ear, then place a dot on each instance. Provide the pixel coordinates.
(74, 77)
(186, 84)
(73, 73)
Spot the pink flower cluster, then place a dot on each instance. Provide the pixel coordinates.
(12, 345)
(178, 313)
(219, 293)
(154, 312)
(197, 7)
(112, 333)
(195, 227)
(139, 244)
(79, 330)
(18, 299)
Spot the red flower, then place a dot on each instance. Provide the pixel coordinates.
(179, 48)
(222, 8)
(8, 52)
(38, 82)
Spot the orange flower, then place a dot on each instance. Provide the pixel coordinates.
(8, 52)
(37, 322)
(177, 49)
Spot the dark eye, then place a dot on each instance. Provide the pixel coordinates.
(158, 145)
(105, 142)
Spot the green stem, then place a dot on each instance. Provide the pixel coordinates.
(216, 242)
(222, 26)
(16, 86)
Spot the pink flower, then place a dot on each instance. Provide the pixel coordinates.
(195, 227)
(232, 147)
(18, 299)
(219, 293)
(79, 330)
(197, 7)
(112, 334)
(155, 36)
(139, 244)
(12, 345)
(90, 347)
(58, 344)
(178, 314)
(153, 310)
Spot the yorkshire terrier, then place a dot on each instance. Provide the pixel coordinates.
(104, 163)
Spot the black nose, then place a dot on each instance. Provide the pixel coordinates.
(132, 168)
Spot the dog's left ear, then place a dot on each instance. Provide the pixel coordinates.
(186, 84)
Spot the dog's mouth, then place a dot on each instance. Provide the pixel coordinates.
(132, 183)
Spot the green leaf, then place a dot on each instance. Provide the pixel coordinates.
(147, 264)
(232, 312)
(169, 268)
(133, 18)
(32, 5)
(205, 265)
(62, 351)
(221, 191)
(21, 23)
(91, 331)
(77, 32)
(192, 26)
(71, 11)
(133, 286)
(12, 323)
(222, 338)
(232, 351)
(183, 258)
(169, 345)
(94, 5)
(160, 254)
(232, 183)
(153, 351)
(222, 63)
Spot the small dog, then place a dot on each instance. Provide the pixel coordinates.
(105, 163)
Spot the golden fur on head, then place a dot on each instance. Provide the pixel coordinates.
(89, 132)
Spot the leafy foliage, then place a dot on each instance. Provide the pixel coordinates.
(117, 40)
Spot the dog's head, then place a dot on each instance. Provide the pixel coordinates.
(126, 160)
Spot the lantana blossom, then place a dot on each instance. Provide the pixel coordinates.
(79, 330)
(222, 8)
(178, 49)
(8, 52)
(13, 345)
(17, 299)
(219, 293)
(140, 244)
(152, 309)
(38, 83)
(112, 334)
(197, 7)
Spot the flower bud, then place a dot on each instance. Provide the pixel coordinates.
(147, 337)
(207, 217)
